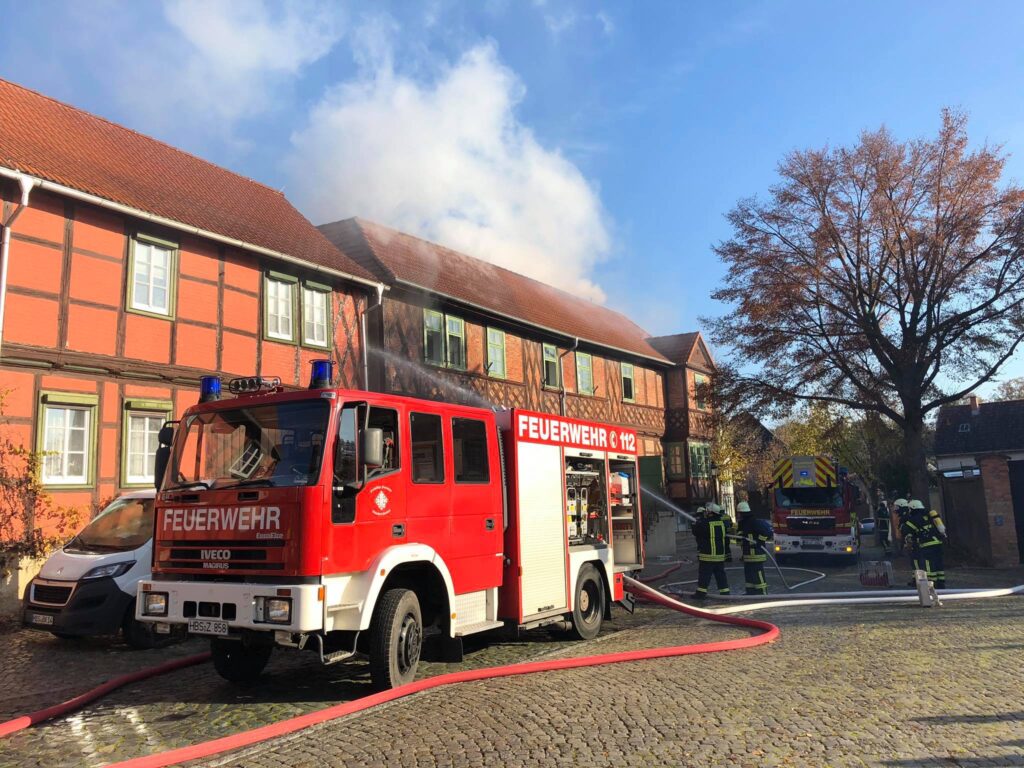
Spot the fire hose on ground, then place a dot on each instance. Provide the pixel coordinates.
(767, 633)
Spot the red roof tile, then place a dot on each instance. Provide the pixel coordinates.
(396, 256)
(53, 141)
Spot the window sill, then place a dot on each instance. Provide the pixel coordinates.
(318, 347)
(88, 486)
(276, 340)
(150, 313)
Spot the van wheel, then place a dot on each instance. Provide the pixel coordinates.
(239, 663)
(139, 635)
(396, 639)
(588, 607)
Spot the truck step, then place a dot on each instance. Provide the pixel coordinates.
(480, 626)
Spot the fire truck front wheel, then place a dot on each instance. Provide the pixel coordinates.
(239, 662)
(396, 639)
(588, 607)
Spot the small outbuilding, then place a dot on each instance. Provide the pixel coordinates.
(979, 450)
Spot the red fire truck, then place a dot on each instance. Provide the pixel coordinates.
(813, 508)
(359, 524)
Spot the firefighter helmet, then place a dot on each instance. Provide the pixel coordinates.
(743, 507)
(915, 504)
(712, 507)
(899, 503)
(700, 511)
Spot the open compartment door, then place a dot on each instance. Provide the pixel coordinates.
(624, 500)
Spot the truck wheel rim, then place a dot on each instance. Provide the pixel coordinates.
(588, 602)
(408, 644)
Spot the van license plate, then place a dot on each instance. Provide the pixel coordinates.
(42, 618)
(207, 627)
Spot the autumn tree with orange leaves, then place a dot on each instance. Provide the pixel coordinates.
(886, 276)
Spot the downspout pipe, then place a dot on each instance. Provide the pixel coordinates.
(26, 183)
(561, 373)
(366, 335)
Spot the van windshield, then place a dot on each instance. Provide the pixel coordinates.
(124, 525)
(275, 444)
(812, 497)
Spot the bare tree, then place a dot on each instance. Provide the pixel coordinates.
(1011, 389)
(884, 277)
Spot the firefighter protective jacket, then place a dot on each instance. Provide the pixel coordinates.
(922, 527)
(710, 532)
(755, 535)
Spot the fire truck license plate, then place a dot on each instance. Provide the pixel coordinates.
(42, 618)
(207, 627)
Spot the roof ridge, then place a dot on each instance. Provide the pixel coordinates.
(118, 126)
(360, 220)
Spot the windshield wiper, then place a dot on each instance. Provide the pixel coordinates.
(242, 483)
(192, 484)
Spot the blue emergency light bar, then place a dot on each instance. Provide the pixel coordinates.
(323, 372)
(209, 388)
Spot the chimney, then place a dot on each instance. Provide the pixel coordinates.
(975, 402)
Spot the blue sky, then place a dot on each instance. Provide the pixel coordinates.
(594, 145)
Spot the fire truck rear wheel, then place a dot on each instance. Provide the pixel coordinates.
(588, 607)
(237, 662)
(396, 639)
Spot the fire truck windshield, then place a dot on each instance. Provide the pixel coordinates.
(274, 444)
(812, 497)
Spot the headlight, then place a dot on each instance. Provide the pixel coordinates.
(155, 604)
(274, 610)
(111, 571)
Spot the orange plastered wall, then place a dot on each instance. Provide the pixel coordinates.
(34, 266)
(98, 231)
(278, 360)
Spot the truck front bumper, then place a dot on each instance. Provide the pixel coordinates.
(240, 606)
(818, 545)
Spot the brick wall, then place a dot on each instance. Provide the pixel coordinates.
(999, 511)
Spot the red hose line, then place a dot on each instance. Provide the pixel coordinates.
(662, 575)
(19, 723)
(769, 634)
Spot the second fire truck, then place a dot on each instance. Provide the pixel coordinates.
(359, 524)
(812, 505)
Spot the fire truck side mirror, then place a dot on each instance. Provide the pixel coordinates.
(163, 453)
(373, 447)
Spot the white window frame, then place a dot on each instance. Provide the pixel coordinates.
(62, 453)
(146, 478)
(632, 381)
(143, 250)
(272, 301)
(310, 295)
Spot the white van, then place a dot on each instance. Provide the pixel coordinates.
(88, 587)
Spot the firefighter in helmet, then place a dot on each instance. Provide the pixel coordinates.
(710, 531)
(754, 534)
(900, 509)
(928, 533)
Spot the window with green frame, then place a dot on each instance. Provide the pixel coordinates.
(496, 353)
(675, 459)
(444, 340)
(700, 383)
(279, 315)
(700, 460)
(152, 266)
(142, 422)
(628, 386)
(584, 373)
(66, 435)
(552, 367)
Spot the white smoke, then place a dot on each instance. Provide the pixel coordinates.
(448, 159)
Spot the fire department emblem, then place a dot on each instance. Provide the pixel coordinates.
(615, 439)
(381, 501)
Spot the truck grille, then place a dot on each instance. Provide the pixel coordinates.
(46, 594)
(222, 555)
(811, 523)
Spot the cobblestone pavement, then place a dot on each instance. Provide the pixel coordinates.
(871, 685)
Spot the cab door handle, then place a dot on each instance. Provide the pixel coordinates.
(489, 524)
(398, 530)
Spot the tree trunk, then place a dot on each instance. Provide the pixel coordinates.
(914, 457)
